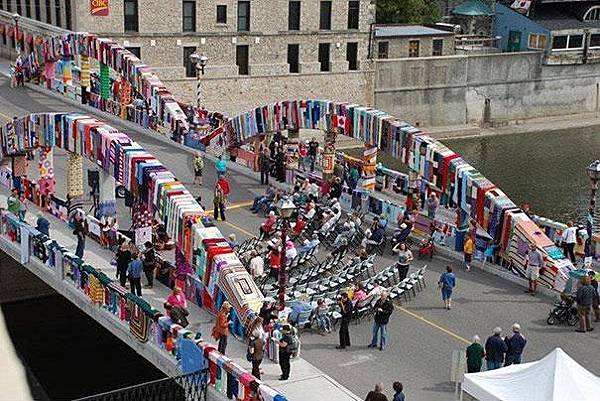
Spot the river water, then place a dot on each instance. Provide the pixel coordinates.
(546, 170)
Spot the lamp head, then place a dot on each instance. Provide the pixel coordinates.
(195, 58)
(593, 170)
(203, 60)
(16, 17)
(286, 207)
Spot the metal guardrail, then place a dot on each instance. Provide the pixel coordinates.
(193, 386)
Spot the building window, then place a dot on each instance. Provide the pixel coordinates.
(413, 48)
(27, 9)
(383, 49)
(294, 16)
(131, 16)
(593, 14)
(190, 68)
(559, 42)
(563, 42)
(352, 55)
(293, 57)
(243, 16)
(324, 56)
(575, 41)
(353, 13)
(2, 4)
(68, 15)
(57, 16)
(48, 12)
(241, 59)
(595, 40)
(325, 17)
(135, 50)
(38, 10)
(221, 14)
(189, 16)
(19, 8)
(437, 47)
(536, 41)
(9, 6)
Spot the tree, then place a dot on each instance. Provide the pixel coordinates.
(407, 11)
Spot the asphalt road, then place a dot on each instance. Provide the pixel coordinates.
(421, 334)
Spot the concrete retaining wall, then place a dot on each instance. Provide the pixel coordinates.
(452, 90)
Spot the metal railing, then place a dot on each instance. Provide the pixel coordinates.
(477, 43)
(190, 387)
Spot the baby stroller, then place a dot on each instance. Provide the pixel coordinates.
(427, 248)
(563, 311)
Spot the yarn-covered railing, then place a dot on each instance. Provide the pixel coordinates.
(217, 276)
(145, 322)
(477, 201)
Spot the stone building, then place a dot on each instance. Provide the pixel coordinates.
(399, 41)
(258, 51)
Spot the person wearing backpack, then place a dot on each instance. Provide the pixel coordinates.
(288, 345)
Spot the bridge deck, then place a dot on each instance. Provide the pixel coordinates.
(305, 375)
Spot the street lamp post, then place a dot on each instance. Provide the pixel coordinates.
(200, 61)
(285, 207)
(593, 172)
(16, 17)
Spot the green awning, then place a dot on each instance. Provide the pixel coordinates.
(473, 8)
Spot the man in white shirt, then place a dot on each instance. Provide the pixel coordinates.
(569, 239)
(257, 265)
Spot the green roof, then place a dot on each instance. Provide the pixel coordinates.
(473, 8)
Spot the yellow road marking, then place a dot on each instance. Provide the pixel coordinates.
(434, 325)
(234, 206)
(240, 229)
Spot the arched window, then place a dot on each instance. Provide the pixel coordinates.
(593, 14)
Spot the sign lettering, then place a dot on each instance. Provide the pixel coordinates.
(99, 8)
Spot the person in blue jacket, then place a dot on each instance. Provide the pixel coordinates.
(221, 165)
(447, 283)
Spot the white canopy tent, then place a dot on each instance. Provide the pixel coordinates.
(555, 377)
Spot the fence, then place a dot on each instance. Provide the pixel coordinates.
(193, 386)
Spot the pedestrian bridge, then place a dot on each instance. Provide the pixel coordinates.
(88, 281)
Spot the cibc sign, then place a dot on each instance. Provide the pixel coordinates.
(99, 8)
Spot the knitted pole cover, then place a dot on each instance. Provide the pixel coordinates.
(104, 81)
(46, 182)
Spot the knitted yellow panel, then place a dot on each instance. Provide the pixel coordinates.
(75, 175)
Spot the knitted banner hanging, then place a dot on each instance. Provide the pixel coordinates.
(75, 182)
(46, 182)
(67, 70)
(85, 71)
(104, 81)
(108, 204)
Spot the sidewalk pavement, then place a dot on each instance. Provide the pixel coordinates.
(304, 377)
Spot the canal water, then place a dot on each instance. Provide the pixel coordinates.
(546, 170)
(68, 353)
